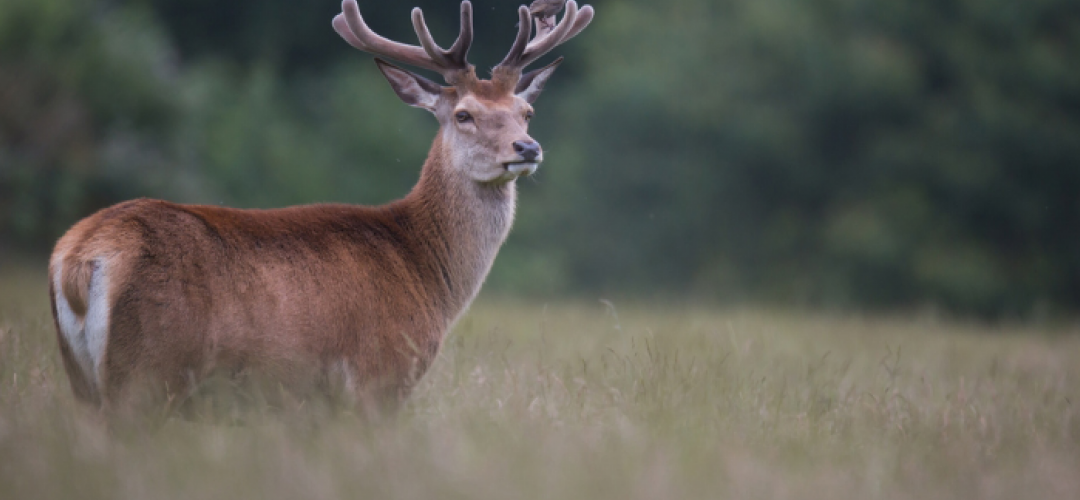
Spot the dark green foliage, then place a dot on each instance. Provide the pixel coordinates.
(84, 104)
(845, 152)
(832, 152)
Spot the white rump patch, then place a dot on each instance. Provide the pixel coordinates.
(86, 337)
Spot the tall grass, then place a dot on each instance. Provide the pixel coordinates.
(598, 400)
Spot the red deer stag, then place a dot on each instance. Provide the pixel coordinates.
(351, 297)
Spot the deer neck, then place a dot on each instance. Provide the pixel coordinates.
(461, 225)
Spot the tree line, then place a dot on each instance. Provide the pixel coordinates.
(885, 153)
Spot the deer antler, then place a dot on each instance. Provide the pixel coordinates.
(525, 52)
(451, 64)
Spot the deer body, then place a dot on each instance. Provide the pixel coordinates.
(357, 297)
(368, 292)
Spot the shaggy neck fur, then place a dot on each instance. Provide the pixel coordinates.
(464, 223)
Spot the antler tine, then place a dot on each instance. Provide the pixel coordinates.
(525, 52)
(433, 49)
(570, 25)
(513, 58)
(460, 49)
(455, 57)
(583, 18)
(351, 26)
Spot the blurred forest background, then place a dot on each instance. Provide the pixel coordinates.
(836, 153)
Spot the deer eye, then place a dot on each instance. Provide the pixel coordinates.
(528, 115)
(463, 116)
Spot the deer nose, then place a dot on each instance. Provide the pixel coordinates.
(529, 150)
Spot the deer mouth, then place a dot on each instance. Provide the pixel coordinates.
(522, 168)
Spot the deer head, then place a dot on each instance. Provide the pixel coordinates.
(483, 124)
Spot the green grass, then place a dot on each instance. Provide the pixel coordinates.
(593, 400)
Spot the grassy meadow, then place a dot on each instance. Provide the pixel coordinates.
(597, 400)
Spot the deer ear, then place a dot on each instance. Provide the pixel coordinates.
(531, 83)
(412, 88)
